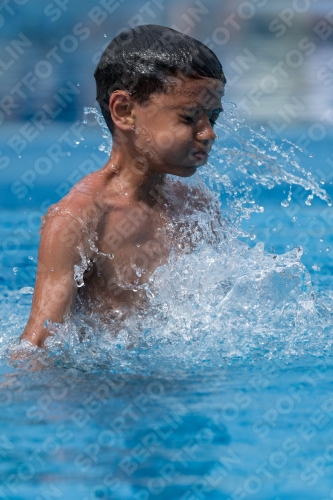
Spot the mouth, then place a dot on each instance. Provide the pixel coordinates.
(200, 155)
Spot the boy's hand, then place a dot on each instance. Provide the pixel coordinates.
(55, 288)
(25, 356)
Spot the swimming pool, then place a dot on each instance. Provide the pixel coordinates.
(221, 391)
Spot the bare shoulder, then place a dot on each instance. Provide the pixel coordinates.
(192, 196)
(80, 208)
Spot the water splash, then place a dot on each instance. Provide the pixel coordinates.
(220, 304)
(97, 117)
(224, 301)
(80, 269)
(244, 158)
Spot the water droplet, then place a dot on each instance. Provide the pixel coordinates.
(47, 323)
(105, 35)
(26, 290)
(15, 270)
(30, 257)
(309, 199)
(78, 85)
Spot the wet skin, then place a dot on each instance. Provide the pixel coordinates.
(115, 223)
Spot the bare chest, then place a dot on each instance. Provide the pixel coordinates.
(131, 244)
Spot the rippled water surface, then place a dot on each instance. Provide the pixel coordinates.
(221, 388)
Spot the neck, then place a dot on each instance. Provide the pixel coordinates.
(132, 174)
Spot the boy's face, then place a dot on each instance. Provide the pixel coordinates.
(174, 130)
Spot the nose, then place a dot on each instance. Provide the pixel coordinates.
(205, 132)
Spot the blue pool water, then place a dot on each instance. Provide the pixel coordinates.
(221, 390)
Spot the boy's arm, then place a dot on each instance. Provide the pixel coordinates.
(55, 288)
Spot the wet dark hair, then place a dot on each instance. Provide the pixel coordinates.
(138, 60)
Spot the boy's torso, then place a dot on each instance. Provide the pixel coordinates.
(131, 241)
(124, 239)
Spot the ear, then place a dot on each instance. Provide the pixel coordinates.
(122, 110)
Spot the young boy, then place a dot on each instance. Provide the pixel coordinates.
(160, 94)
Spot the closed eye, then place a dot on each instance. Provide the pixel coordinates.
(213, 116)
(188, 119)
